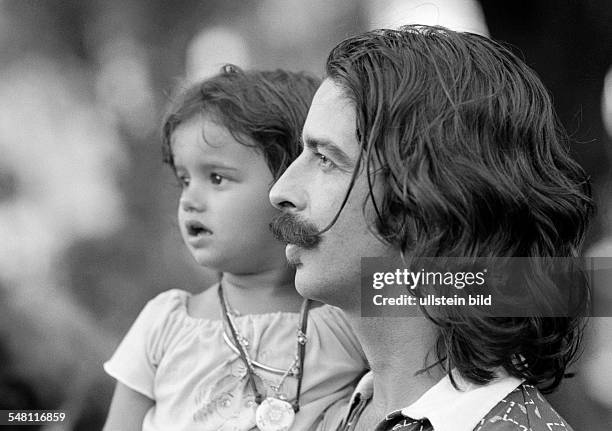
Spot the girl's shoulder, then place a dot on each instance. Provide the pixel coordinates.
(328, 317)
(167, 309)
(170, 298)
(166, 303)
(329, 323)
(177, 307)
(181, 307)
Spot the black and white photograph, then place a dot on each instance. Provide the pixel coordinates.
(286, 215)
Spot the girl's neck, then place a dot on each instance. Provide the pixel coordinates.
(262, 292)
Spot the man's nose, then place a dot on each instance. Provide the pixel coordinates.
(288, 193)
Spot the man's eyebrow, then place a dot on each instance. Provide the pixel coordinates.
(339, 156)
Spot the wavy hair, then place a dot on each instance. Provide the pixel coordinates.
(267, 107)
(473, 163)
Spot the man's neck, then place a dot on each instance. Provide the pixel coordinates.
(396, 348)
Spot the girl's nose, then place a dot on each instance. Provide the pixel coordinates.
(191, 203)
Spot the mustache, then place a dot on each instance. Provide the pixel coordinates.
(289, 229)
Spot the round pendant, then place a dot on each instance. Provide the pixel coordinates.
(274, 415)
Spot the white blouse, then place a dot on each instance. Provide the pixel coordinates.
(198, 382)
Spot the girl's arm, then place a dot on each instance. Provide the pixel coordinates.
(127, 410)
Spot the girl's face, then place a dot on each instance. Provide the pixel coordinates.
(224, 210)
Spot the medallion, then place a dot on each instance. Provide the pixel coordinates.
(274, 415)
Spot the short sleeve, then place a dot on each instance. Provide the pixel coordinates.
(135, 361)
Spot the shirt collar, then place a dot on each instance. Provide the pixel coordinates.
(447, 408)
(364, 388)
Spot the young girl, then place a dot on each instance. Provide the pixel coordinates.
(249, 351)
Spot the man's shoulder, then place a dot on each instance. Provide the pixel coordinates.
(525, 408)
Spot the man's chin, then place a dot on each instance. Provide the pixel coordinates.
(314, 289)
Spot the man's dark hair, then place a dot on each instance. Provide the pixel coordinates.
(267, 107)
(472, 162)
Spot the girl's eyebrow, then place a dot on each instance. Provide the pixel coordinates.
(213, 165)
(208, 166)
(339, 156)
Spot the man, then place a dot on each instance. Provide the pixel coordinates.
(427, 142)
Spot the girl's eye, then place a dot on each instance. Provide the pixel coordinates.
(216, 179)
(183, 180)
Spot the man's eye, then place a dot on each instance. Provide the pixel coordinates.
(324, 162)
(216, 179)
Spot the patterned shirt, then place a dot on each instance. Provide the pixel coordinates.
(506, 404)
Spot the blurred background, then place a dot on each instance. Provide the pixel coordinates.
(87, 210)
